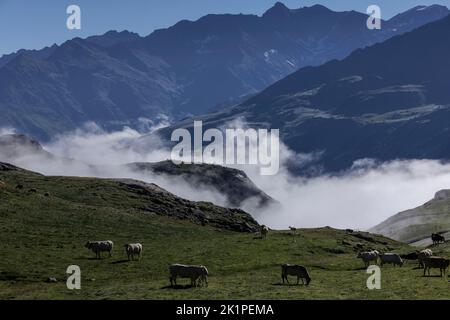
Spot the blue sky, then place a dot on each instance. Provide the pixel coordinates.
(38, 23)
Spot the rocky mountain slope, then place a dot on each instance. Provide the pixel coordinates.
(419, 223)
(388, 101)
(134, 197)
(232, 183)
(121, 78)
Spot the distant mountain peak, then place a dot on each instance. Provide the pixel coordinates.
(113, 37)
(316, 8)
(279, 9)
(422, 10)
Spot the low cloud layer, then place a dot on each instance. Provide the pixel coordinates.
(359, 199)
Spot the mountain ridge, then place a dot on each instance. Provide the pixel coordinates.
(190, 68)
(384, 102)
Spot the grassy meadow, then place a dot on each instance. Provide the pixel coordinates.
(40, 236)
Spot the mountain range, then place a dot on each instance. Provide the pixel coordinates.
(191, 68)
(385, 102)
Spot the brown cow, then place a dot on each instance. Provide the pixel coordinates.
(436, 263)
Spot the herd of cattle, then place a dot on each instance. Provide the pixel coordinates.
(199, 274)
(425, 258)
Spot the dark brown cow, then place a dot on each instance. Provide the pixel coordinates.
(437, 238)
(295, 270)
(435, 263)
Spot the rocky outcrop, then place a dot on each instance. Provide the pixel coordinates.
(161, 202)
(233, 183)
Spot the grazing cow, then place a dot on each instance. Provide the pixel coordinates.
(436, 263)
(194, 273)
(391, 258)
(133, 249)
(100, 246)
(410, 256)
(295, 270)
(264, 231)
(437, 238)
(369, 256)
(422, 255)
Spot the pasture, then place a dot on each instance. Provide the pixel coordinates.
(42, 235)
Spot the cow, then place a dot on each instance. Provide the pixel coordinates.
(293, 229)
(100, 246)
(435, 263)
(391, 258)
(132, 249)
(295, 270)
(410, 256)
(422, 255)
(2, 184)
(368, 256)
(194, 273)
(264, 231)
(437, 238)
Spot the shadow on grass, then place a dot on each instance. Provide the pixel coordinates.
(289, 284)
(7, 276)
(432, 276)
(357, 269)
(93, 258)
(178, 287)
(120, 261)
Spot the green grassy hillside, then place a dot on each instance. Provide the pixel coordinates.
(419, 223)
(42, 235)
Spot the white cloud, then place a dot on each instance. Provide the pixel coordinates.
(361, 198)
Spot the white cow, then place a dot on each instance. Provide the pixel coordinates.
(368, 256)
(100, 246)
(133, 249)
(423, 255)
(264, 231)
(194, 273)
